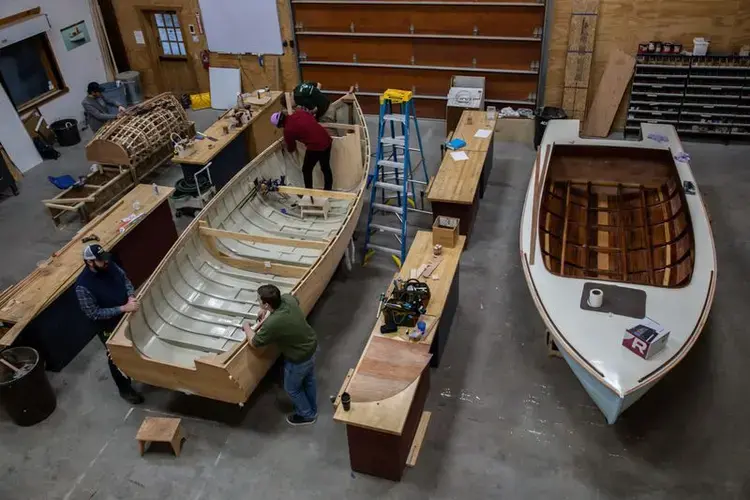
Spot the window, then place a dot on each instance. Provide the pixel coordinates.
(29, 72)
(170, 34)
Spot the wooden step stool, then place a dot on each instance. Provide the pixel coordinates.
(160, 430)
(314, 206)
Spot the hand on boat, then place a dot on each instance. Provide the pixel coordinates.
(130, 306)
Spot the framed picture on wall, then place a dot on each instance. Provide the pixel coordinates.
(75, 35)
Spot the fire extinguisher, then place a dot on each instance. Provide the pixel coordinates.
(204, 59)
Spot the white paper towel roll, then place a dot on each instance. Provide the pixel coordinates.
(596, 296)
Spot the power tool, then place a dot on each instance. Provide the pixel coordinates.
(408, 300)
(265, 186)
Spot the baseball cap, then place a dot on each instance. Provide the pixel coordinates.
(95, 252)
(94, 87)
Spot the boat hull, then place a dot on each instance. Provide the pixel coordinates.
(174, 301)
(679, 297)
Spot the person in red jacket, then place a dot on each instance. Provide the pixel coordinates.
(301, 126)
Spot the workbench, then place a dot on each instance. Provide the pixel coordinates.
(381, 434)
(46, 302)
(229, 153)
(459, 185)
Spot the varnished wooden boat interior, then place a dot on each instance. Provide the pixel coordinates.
(188, 334)
(616, 214)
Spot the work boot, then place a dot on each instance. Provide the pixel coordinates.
(132, 396)
(294, 419)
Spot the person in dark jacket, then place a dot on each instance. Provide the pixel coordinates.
(301, 126)
(309, 96)
(281, 322)
(105, 294)
(96, 107)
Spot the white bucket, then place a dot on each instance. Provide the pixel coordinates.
(700, 46)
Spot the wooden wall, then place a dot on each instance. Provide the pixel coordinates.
(625, 23)
(253, 75)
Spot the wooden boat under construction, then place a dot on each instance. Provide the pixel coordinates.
(617, 216)
(187, 334)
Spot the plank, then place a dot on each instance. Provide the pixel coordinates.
(667, 237)
(62, 269)
(536, 208)
(623, 238)
(416, 445)
(579, 57)
(602, 219)
(609, 93)
(565, 228)
(387, 367)
(319, 193)
(271, 240)
(647, 231)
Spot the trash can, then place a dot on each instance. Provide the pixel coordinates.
(131, 80)
(115, 91)
(25, 392)
(66, 131)
(542, 117)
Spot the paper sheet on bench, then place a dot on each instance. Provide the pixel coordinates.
(483, 133)
(459, 155)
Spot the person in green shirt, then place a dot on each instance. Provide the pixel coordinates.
(282, 323)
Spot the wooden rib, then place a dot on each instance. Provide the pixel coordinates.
(565, 228)
(668, 249)
(602, 240)
(340, 126)
(647, 229)
(320, 193)
(535, 209)
(62, 207)
(623, 239)
(271, 240)
(70, 200)
(586, 231)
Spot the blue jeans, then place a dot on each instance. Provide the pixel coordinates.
(299, 383)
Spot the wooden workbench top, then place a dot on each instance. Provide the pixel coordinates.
(206, 150)
(465, 130)
(457, 181)
(389, 415)
(53, 277)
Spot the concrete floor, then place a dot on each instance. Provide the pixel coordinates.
(508, 421)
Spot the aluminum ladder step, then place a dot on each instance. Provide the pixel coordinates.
(387, 208)
(389, 187)
(393, 164)
(395, 117)
(387, 229)
(393, 141)
(385, 249)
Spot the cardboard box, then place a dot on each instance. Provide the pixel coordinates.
(35, 125)
(646, 339)
(445, 231)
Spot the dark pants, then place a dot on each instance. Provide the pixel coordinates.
(122, 380)
(313, 157)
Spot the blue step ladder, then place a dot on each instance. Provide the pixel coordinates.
(393, 184)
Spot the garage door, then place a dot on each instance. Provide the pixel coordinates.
(419, 45)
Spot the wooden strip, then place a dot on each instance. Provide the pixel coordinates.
(416, 445)
(535, 214)
(340, 126)
(608, 95)
(70, 200)
(271, 240)
(61, 207)
(342, 390)
(649, 244)
(320, 193)
(565, 228)
(602, 259)
(586, 231)
(667, 237)
(623, 239)
(20, 16)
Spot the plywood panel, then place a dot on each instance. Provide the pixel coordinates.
(437, 52)
(489, 20)
(428, 82)
(609, 93)
(623, 24)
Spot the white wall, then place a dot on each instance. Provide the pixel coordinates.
(78, 67)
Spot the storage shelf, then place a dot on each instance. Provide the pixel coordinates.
(661, 76)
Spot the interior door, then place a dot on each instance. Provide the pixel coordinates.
(169, 51)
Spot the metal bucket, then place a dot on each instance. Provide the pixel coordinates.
(25, 394)
(114, 91)
(131, 80)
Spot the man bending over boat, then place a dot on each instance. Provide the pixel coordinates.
(282, 323)
(301, 126)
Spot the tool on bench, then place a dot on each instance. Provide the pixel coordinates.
(407, 302)
(265, 186)
(91, 237)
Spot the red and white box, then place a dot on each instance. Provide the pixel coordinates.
(646, 339)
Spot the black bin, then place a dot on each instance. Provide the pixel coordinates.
(543, 116)
(25, 394)
(66, 131)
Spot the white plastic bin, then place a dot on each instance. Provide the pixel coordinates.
(700, 46)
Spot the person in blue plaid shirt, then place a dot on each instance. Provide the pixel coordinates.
(105, 294)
